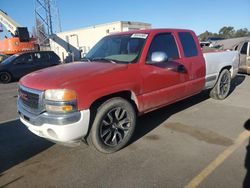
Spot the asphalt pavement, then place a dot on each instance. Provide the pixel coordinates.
(197, 142)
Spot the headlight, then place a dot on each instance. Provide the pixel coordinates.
(60, 95)
(60, 100)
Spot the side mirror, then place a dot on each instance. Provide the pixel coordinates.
(159, 57)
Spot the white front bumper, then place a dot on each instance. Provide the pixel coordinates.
(67, 133)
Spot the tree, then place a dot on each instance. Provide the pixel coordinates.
(227, 32)
(242, 33)
(204, 36)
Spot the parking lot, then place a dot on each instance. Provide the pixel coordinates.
(196, 142)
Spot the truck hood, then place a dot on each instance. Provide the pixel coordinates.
(62, 76)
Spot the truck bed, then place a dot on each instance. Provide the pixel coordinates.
(215, 61)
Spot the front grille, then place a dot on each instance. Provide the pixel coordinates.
(31, 99)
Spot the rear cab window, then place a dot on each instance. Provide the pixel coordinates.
(188, 44)
(164, 42)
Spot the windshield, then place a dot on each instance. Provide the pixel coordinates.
(118, 48)
(9, 59)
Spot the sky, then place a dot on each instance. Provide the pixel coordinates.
(197, 15)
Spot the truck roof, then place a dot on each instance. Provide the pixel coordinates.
(158, 30)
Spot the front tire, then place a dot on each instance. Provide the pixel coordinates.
(5, 77)
(113, 126)
(222, 86)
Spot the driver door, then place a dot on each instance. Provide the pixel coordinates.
(164, 82)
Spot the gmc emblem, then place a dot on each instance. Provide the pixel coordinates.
(24, 96)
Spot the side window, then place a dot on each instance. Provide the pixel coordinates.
(53, 57)
(40, 57)
(244, 49)
(24, 59)
(50, 56)
(29, 58)
(188, 44)
(164, 43)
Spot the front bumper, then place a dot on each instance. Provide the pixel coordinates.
(66, 128)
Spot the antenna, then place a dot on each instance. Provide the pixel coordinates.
(47, 21)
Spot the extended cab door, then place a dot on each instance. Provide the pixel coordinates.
(194, 60)
(164, 82)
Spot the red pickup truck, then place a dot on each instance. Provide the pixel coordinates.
(124, 75)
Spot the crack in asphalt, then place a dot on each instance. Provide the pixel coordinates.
(201, 134)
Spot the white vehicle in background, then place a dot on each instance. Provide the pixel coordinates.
(204, 43)
(244, 49)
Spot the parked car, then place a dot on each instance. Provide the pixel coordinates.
(244, 49)
(18, 65)
(125, 75)
(204, 43)
(213, 39)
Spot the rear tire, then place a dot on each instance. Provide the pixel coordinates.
(222, 86)
(5, 77)
(113, 126)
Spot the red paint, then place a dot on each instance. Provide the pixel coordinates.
(153, 86)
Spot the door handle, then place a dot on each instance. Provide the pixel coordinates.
(181, 69)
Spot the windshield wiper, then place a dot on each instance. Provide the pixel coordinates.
(103, 59)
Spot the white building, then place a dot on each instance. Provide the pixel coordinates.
(71, 45)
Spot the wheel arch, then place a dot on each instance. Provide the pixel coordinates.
(228, 67)
(4, 70)
(215, 93)
(126, 94)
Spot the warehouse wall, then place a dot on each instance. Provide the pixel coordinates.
(72, 45)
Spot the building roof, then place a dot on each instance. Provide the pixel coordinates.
(105, 24)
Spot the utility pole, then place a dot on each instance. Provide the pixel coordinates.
(47, 21)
